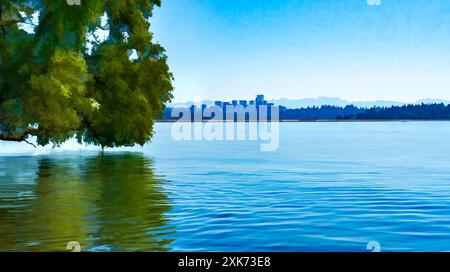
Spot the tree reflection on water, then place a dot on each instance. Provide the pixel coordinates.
(106, 202)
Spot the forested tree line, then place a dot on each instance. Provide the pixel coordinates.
(351, 112)
(405, 112)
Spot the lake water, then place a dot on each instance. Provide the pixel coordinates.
(328, 187)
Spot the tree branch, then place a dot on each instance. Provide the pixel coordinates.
(9, 22)
(88, 125)
(19, 137)
(29, 143)
(103, 27)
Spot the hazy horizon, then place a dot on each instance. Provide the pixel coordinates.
(318, 98)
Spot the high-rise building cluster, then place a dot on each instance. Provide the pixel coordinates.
(241, 110)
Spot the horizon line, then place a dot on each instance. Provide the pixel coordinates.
(318, 98)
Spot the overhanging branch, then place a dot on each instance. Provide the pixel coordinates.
(9, 22)
(19, 137)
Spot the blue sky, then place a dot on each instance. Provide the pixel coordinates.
(221, 49)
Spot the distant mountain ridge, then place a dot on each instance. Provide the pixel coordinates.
(320, 101)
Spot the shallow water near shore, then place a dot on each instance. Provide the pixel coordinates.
(328, 187)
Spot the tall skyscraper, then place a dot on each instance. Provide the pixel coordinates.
(259, 99)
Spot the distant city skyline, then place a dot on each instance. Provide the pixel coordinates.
(358, 51)
(335, 109)
(317, 101)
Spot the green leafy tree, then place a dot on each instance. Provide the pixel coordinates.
(89, 70)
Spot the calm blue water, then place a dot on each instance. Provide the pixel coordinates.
(329, 187)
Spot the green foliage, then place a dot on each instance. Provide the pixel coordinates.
(59, 82)
(58, 96)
